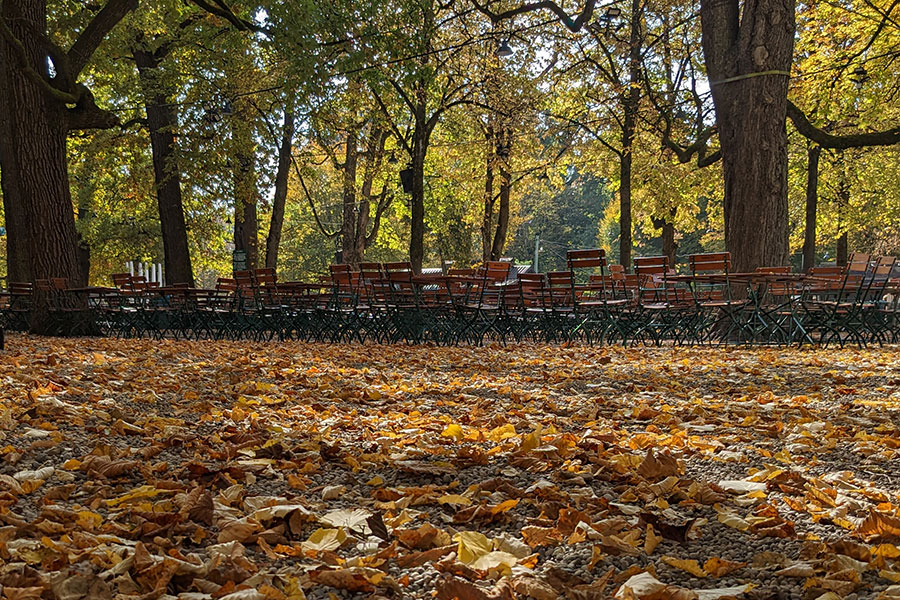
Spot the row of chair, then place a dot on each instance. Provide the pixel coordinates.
(591, 300)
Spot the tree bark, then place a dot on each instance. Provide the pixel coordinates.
(348, 220)
(162, 121)
(630, 103)
(84, 248)
(417, 198)
(625, 241)
(843, 202)
(487, 216)
(246, 193)
(39, 125)
(669, 247)
(842, 249)
(364, 219)
(17, 262)
(504, 148)
(748, 53)
(812, 202)
(273, 240)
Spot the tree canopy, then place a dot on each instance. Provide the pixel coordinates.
(306, 133)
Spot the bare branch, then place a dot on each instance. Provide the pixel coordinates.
(572, 24)
(888, 137)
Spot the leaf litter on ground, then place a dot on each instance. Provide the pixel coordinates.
(172, 469)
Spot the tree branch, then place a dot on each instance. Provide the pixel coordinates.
(95, 32)
(222, 10)
(888, 137)
(87, 115)
(573, 25)
(312, 204)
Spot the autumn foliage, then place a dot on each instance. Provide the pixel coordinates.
(164, 469)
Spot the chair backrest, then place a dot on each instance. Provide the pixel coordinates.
(226, 285)
(651, 265)
(59, 283)
(139, 283)
(587, 259)
(266, 276)
(826, 271)
(496, 270)
(562, 287)
(859, 262)
(397, 267)
(369, 271)
(531, 288)
(244, 282)
(773, 270)
(459, 272)
(121, 280)
(883, 267)
(713, 262)
(341, 276)
(20, 288)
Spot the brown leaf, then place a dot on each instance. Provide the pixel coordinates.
(676, 533)
(719, 567)
(658, 466)
(879, 526)
(198, 506)
(103, 466)
(454, 588)
(540, 536)
(526, 585)
(377, 527)
(417, 559)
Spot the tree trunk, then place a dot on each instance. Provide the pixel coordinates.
(843, 202)
(17, 262)
(273, 240)
(748, 56)
(487, 218)
(374, 156)
(666, 226)
(630, 104)
(246, 193)
(625, 210)
(503, 151)
(348, 221)
(842, 249)
(162, 121)
(84, 249)
(417, 198)
(40, 181)
(812, 202)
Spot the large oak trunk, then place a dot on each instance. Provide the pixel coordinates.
(748, 58)
(162, 119)
(17, 266)
(35, 151)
